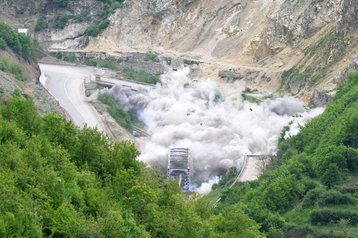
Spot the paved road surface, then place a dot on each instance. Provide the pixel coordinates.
(66, 84)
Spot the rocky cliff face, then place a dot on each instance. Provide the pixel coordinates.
(26, 14)
(300, 46)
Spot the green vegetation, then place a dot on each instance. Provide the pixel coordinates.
(122, 117)
(294, 74)
(20, 44)
(73, 58)
(190, 62)
(59, 3)
(247, 97)
(168, 60)
(66, 56)
(141, 76)
(136, 75)
(102, 63)
(61, 21)
(59, 181)
(308, 190)
(187, 4)
(151, 57)
(41, 24)
(3, 44)
(100, 19)
(8, 66)
(20, 11)
(97, 28)
(319, 59)
(109, 7)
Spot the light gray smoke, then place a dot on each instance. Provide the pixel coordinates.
(211, 120)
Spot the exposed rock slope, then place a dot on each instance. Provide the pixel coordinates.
(308, 44)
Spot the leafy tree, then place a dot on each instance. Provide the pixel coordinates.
(3, 44)
(234, 223)
(41, 24)
(331, 176)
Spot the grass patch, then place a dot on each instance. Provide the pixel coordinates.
(190, 62)
(295, 74)
(71, 57)
(122, 117)
(8, 66)
(327, 39)
(319, 60)
(140, 76)
(102, 63)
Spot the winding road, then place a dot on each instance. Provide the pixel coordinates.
(66, 84)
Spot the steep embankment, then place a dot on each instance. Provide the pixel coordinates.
(310, 189)
(19, 71)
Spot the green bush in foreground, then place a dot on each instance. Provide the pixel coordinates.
(61, 181)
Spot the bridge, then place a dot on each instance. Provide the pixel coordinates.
(179, 167)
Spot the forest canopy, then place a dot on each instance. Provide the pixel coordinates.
(61, 181)
(311, 187)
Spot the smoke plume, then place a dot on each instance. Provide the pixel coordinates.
(211, 120)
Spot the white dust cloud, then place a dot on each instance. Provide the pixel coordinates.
(216, 125)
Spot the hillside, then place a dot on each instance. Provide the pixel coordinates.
(274, 45)
(19, 71)
(59, 181)
(310, 188)
(63, 180)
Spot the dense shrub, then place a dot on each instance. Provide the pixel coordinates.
(326, 216)
(60, 181)
(333, 197)
(323, 155)
(20, 43)
(312, 197)
(95, 29)
(41, 24)
(61, 21)
(3, 44)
